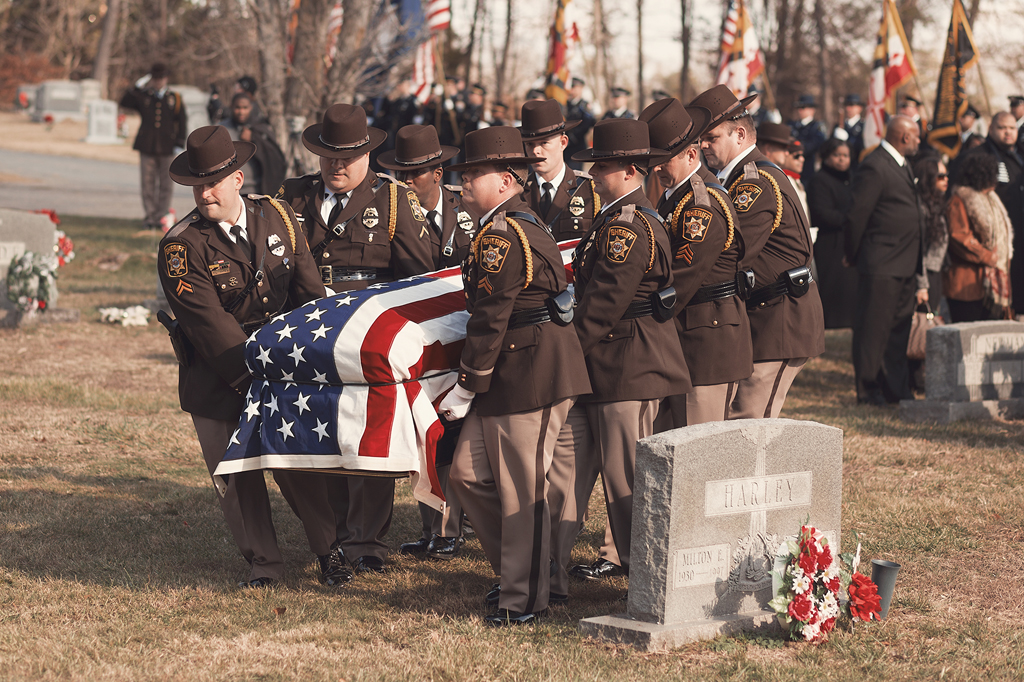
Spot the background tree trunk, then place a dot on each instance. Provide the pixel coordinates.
(828, 108)
(270, 28)
(639, 56)
(346, 71)
(305, 85)
(685, 88)
(101, 67)
(502, 69)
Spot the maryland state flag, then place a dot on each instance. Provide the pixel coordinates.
(562, 38)
(951, 97)
(741, 60)
(893, 66)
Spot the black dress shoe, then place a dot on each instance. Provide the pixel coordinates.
(334, 572)
(599, 570)
(493, 594)
(444, 548)
(556, 599)
(257, 582)
(504, 617)
(418, 547)
(368, 564)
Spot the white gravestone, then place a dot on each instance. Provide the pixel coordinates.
(20, 231)
(102, 122)
(973, 370)
(60, 100)
(712, 503)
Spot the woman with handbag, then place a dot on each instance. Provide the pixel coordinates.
(977, 281)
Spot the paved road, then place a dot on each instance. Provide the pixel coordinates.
(74, 186)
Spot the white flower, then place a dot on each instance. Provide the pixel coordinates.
(810, 631)
(829, 607)
(832, 571)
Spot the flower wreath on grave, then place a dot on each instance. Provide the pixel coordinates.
(807, 581)
(32, 281)
(63, 247)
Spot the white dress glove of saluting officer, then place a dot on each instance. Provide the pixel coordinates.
(456, 404)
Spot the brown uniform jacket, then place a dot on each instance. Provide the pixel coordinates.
(164, 120)
(366, 241)
(707, 247)
(572, 209)
(515, 370)
(784, 327)
(628, 359)
(202, 272)
(458, 225)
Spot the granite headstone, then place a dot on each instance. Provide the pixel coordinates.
(20, 231)
(102, 122)
(973, 370)
(712, 504)
(59, 99)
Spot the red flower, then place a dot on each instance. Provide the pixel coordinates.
(833, 585)
(808, 563)
(825, 558)
(801, 608)
(828, 625)
(42, 304)
(865, 603)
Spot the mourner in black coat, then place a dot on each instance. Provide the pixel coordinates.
(830, 198)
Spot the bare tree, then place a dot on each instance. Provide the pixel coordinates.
(640, 54)
(345, 72)
(271, 30)
(502, 67)
(685, 88)
(305, 84)
(101, 67)
(824, 67)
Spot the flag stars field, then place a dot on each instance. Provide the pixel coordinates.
(315, 315)
(272, 405)
(264, 357)
(296, 354)
(286, 430)
(321, 332)
(302, 403)
(343, 301)
(320, 430)
(285, 332)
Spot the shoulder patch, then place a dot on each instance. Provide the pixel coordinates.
(453, 188)
(581, 174)
(414, 204)
(176, 260)
(744, 196)
(391, 179)
(750, 171)
(493, 250)
(620, 241)
(696, 222)
(180, 226)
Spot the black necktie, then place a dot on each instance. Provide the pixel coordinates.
(240, 239)
(433, 217)
(339, 204)
(545, 197)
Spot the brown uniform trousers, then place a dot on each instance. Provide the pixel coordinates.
(364, 504)
(633, 362)
(202, 271)
(525, 379)
(707, 247)
(572, 209)
(786, 330)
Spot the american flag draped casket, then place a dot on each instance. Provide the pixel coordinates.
(351, 382)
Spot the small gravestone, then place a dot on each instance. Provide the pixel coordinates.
(102, 122)
(973, 370)
(195, 105)
(58, 100)
(20, 231)
(712, 503)
(90, 88)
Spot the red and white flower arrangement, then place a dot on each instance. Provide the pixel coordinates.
(64, 249)
(809, 579)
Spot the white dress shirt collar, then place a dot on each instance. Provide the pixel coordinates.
(724, 174)
(672, 190)
(895, 154)
(240, 221)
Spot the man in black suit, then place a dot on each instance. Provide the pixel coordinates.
(883, 240)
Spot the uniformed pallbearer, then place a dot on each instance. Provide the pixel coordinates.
(623, 280)
(416, 160)
(521, 369)
(228, 267)
(565, 199)
(362, 228)
(707, 247)
(786, 322)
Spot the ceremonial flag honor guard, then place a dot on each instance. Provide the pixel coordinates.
(228, 267)
(786, 322)
(362, 229)
(707, 247)
(521, 370)
(564, 198)
(623, 282)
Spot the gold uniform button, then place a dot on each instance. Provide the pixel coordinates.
(511, 346)
(266, 314)
(611, 336)
(326, 255)
(223, 286)
(259, 283)
(714, 323)
(264, 299)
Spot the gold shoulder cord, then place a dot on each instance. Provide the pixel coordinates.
(597, 199)
(393, 206)
(287, 221)
(527, 254)
(674, 224)
(650, 238)
(778, 196)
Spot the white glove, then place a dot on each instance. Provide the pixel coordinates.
(456, 404)
(142, 82)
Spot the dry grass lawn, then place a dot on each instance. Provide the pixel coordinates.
(115, 562)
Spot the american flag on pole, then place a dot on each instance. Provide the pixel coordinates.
(423, 70)
(352, 381)
(893, 66)
(741, 60)
(439, 15)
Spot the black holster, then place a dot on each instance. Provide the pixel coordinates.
(745, 283)
(663, 304)
(798, 281)
(561, 308)
(184, 351)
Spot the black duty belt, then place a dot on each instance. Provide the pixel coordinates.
(329, 274)
(795, 283)
(638, 309)
(524, 318)
(714, 292)
(559, 308)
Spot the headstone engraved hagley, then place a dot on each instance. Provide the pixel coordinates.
(711, 505)
(973, 370)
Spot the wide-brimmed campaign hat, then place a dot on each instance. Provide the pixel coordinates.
(776, 133)
(497, 145)
(722, 104)
(620, 139)
(673, 127)
(343, 134)
(209, 156)
(416, 147)
(543, 119)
